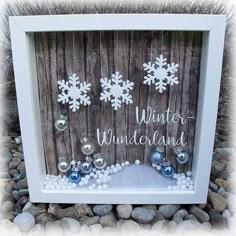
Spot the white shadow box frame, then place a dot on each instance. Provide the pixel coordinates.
(22, 39)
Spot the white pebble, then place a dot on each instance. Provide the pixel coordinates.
(127, 163)
(137, 162)
(73, 162)
(158, 167)
(189, 173)
(87, 176)
(104, 186)
(99, 187)
(183, 187)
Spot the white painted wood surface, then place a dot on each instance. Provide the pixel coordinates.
(22, 28)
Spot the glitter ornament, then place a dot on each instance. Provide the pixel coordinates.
(157, 156)
(61, 124)
(74, 175)
(87, 147)
(99, 162)
(63, 165)
(86, 167)
(168, 171)
(182, 157)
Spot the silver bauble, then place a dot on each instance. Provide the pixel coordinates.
(87, 147)
(99, 163)
(63, 165)
(181, 157)
(157, 156)
(86, 167)
(61, 123)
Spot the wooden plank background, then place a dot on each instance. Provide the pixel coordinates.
(93, 55)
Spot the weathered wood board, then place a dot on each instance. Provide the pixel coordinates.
(95, 55)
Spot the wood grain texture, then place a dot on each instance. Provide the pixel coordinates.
(96, 55)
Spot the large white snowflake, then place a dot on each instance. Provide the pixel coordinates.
(116, 90)
(160, 73)
(74, 92)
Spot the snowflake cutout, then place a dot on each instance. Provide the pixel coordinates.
(74, 92)
(116, 90)
(160, 73)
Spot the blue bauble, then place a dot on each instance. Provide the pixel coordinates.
(74, 176)
(157, 157)
(167, 171)
(182, 157)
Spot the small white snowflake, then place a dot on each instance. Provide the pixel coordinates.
(160, 73)
(74, 92)
(116, 90)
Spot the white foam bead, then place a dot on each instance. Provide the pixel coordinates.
(158, 167)
(63, 187)
(52, 186)
(137, 162)
(58, 187)
(178, 175)
(110, 171)
(168, 187)
(187, 184)
(69, 187)
(179, 183)
(182, 174)
(182, 187)
(104, 186)
(112, 166)
(189, 173)
(106, 172)
(87, 176)
(81, 184)
(108, 178)
(98, 172)
(183, 177)
(117, 164)
(174, 188)
(175, 176)
(108, 168)
(183, 182)
(78, 163)
(119, 168)
(73, 162)
(190, 187)
(179, 178)
(104, 180)
(191, 182)
(90, 187)
(73, 185)
(99, 187)
(114, 170)
(154, 165)
(91, 174)
(188, 179)
(95, 176)
(94, 185)
(86, 181)
(127, 163)
(47, 187)
(98, 181)
(122, 164)
(82, 179)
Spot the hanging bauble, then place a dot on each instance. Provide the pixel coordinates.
(167, 171)
(99, 162)
(86, 167)
(61, 123)
(74, 175)
(157, 156)
(63, 165)
(182, 157)
(87, 147)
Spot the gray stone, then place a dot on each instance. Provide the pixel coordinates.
(95, 229)
(190, 217)
(14, 162)
(129, 227)
(150, 206)
(218, 202)
(18, 140)
(89, 220)
(9, 186)
(33, 210)
(24, 192)
(70, 225)
(181, 213)
(108, 220)
(21, 166)
(213, 186)
(14, 172)
(7, 206)
(171, 226)
(124, 211)
(20, 149)
(21, 184)
(102, 210)
(226, 214)
(7, 156)
(7, 216)
(25, 221)
(44, 218)
(22, 175)
(177, 219)
(168, 210)
(221, 191)
(16, 195)
(199, 213)
(160, 226)
(158, 217)
(224, 153)
(38, 229)
(188, 226)
(217, 220)
(142, 215)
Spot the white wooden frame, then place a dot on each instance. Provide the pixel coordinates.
(22, 29)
